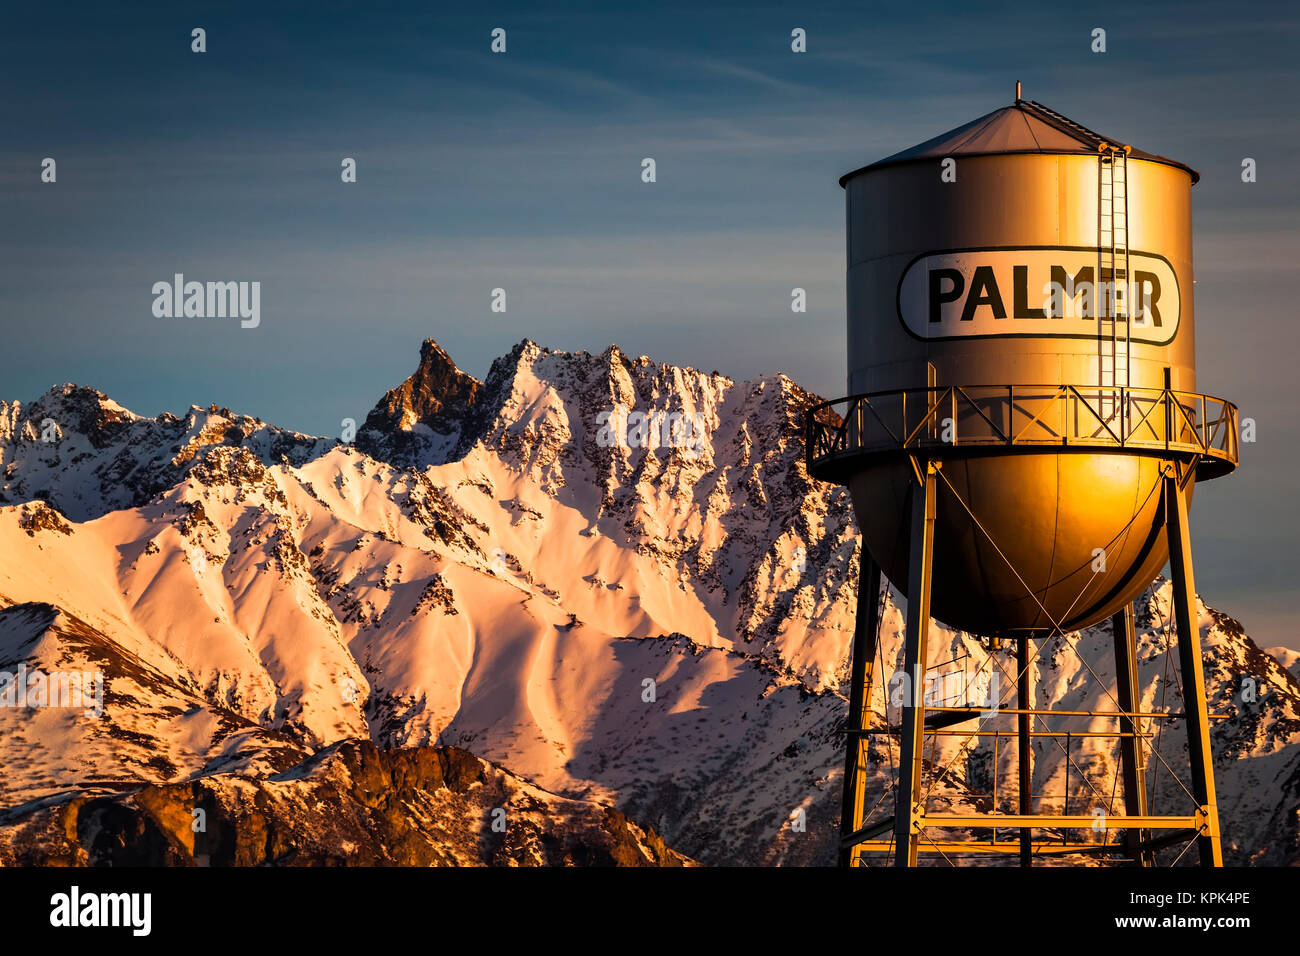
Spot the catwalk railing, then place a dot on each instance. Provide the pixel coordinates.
(954, 418)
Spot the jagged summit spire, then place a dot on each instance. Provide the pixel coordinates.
(436, 391)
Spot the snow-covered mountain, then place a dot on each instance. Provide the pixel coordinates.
(1289, 659)
(610, 577)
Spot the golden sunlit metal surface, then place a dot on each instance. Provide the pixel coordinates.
(1022, 442)
(1018, 216)
(1048, 511)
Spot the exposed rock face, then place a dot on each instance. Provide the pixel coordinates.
(351, 804)
(104, 457)
(538, 570)
(425, 413)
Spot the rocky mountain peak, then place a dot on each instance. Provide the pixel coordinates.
(67, 407)
(422, 419)
(437, 395)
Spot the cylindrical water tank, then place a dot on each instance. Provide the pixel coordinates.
(953, 249)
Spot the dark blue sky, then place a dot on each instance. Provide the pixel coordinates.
(523, 171)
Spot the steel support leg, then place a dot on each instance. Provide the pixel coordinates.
(1025, 701)
(866, 634)
(1189, 657)
(907, 835)
(1132, 755)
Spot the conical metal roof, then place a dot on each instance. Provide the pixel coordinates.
(1022, 127)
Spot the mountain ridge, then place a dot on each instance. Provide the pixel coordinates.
(508, 585)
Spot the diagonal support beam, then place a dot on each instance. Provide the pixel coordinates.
(1199, 750)
(866, 634)
(907, 830)
(1132, 758)
(1024, 747)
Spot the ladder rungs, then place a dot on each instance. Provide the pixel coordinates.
(1113, 262)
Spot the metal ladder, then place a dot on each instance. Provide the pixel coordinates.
(1112, 307)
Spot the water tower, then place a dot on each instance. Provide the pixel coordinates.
(1022, 439)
